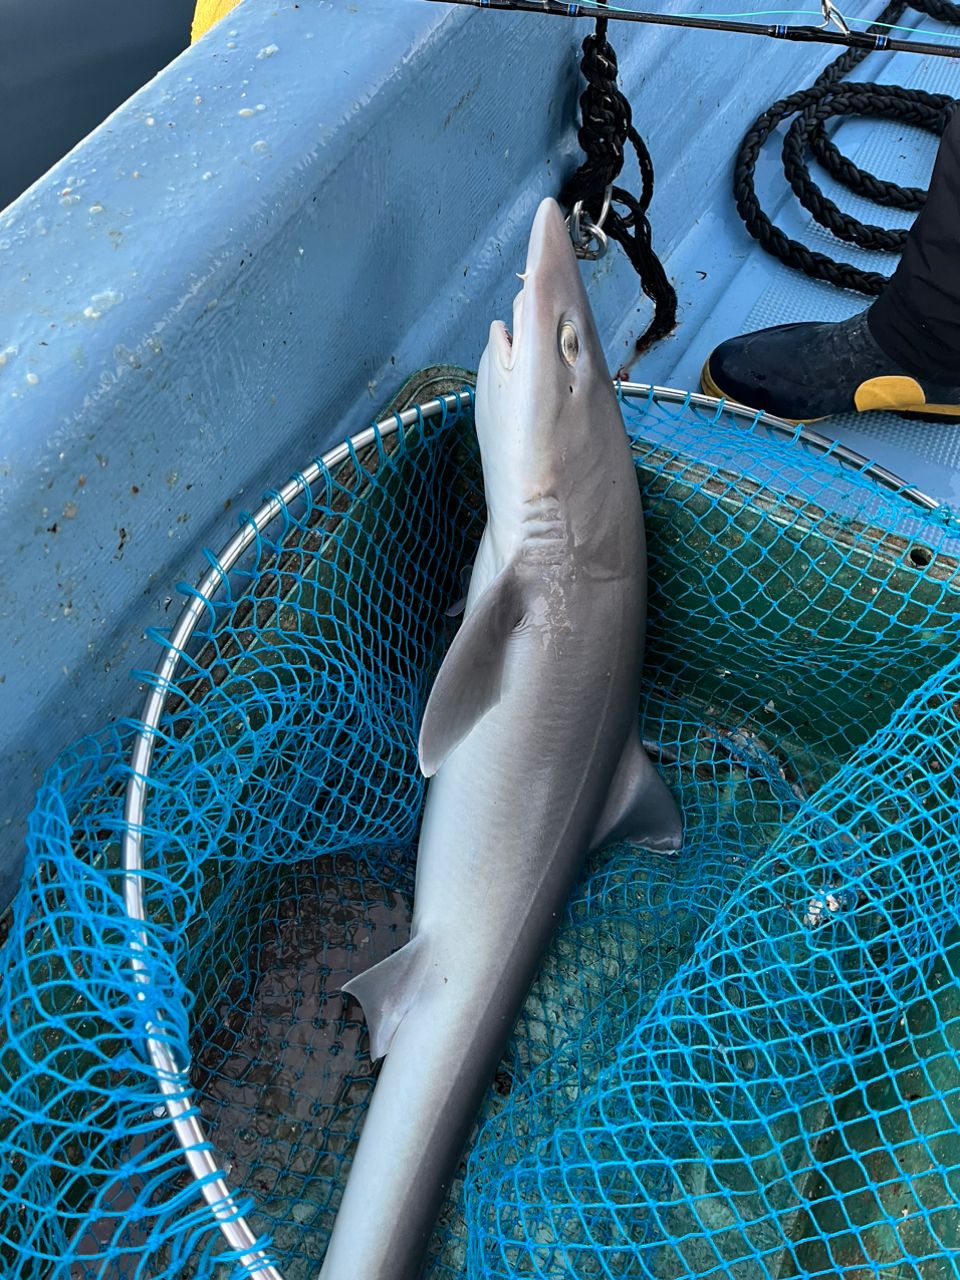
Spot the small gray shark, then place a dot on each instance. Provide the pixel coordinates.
(530, 737)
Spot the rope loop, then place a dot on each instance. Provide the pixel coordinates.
(606, 129)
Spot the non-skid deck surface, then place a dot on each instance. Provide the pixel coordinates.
(761, 291)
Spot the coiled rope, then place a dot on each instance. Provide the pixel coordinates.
(830, 96)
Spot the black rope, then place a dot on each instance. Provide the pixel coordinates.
(606, 128)
(829, 96)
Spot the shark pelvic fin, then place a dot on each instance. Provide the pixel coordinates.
(468, 682)
(639, 806)
(458, 606)
(385, 993)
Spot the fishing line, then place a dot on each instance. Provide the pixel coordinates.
(862, 41)
(757, 13)
(898, 26)
(807, 13)
(813, 12)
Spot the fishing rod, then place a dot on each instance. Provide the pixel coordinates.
(841, 35)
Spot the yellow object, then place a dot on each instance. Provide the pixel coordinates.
(891, 392)
(895, 393)
(903, 395)
(208, 13)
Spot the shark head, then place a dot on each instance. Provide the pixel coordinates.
(543, 387)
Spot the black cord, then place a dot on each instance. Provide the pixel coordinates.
(830, 95)
(606, 128)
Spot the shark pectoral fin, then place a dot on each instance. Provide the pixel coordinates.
(385, 993)
(468, 682)
(639, 805)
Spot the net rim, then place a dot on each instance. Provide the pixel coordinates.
(172, 1076)
(793, 432)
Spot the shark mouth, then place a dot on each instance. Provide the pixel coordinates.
(508, 339)
(513, 333)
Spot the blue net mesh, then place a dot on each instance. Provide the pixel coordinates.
(742, 1061)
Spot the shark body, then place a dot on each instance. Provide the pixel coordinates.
(531, 730)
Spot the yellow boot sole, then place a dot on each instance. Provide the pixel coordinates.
(892, 394)
(897, 394)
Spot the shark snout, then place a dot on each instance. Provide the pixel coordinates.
(552, 285)
(550, 252)
(550, 278)
(550, 309)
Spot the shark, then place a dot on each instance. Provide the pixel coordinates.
(531, 744)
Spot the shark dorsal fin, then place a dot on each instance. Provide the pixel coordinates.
(639, 806)
(468, 683)
(386, 991)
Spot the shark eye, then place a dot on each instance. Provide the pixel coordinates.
(569, 342)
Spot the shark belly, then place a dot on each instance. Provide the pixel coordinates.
(518, 798)
(507, 824)
(531, 740)
(424, 1105)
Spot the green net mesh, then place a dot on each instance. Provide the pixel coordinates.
(738, 1062)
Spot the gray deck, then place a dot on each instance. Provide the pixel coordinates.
(746, 289)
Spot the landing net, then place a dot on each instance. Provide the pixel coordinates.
(739, 1062)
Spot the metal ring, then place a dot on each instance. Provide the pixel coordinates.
(573, 224)
(833, 17)
(594, 245)
(590, 241)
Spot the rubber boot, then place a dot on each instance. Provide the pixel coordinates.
(805, 372)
